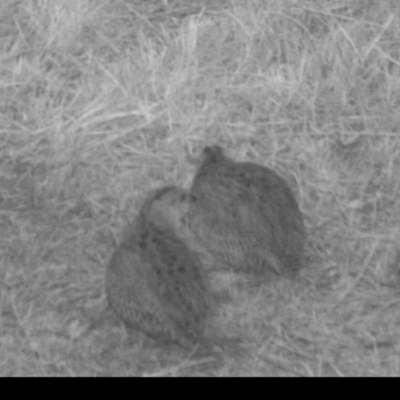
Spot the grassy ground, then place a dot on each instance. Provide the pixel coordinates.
(103, 100)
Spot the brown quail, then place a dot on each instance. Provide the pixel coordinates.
(155, 283)
(245, 215)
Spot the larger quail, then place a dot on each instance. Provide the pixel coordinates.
(155, 283)
(245, 216)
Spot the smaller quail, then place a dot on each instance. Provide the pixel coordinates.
(155, 282)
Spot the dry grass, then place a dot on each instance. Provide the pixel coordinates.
(101, 100)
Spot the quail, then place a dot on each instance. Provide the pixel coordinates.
(245, 215)
(155, 282)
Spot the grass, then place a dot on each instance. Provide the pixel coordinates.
(102, 101)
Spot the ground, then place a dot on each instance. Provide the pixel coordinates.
(104, 100)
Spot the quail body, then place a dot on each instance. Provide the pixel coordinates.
(155, 282)
(245, 215)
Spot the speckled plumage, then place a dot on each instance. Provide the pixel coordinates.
(155, 282)
(245, 215)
